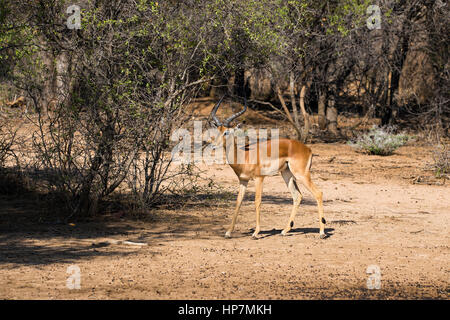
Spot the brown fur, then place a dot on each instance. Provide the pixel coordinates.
(294, 162)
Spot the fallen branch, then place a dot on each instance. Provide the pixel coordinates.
(113, 241)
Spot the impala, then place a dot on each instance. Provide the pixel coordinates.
(293, 161)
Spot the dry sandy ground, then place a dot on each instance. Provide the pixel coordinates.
(379, 210)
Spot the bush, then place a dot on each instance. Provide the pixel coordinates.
(379, 141)
(441, 161)
(106, 109)
(8, 139)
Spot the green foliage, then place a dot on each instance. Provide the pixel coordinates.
(15, 40)
(379, 141)
(127, 73)
(346, 16)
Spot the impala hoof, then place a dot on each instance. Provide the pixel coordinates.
(284, 232)
(323, 236)
(255, 236)
(228, 235)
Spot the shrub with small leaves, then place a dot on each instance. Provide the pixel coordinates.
(441, 161)
(379, 141)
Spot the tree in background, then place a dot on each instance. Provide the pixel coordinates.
(107, 95)
(123, 77)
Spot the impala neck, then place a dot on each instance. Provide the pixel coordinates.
(229, 148)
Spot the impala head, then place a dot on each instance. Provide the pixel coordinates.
(225, 131)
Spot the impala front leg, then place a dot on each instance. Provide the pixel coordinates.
(258, 194)
(242, 188)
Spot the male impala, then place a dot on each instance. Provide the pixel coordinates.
(293, 161)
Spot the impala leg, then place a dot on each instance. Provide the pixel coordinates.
(296, 197)
(258, 193)
(242, 188)
(306, 180)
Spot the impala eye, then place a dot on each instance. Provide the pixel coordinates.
(226, 133)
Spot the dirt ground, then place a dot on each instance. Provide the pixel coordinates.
(383, 211)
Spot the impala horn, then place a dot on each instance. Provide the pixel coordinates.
(234, 116)
(227, 121)
(214, 110)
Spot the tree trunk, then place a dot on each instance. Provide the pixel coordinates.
(239, 83)
(401, 52)
(287, 113)
(292, 94)
(321, 110)
(332, 116)
(48, 82)
(305, 132)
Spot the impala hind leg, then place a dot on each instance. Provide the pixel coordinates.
(306, 180)
(242, 188)
(258, 195)
(296, 197)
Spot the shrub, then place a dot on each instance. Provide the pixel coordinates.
(379, 141)
(441, 161)
(114, 104)
(8, 139)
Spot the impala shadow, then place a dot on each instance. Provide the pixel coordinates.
(282, 199)
(293, 232)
